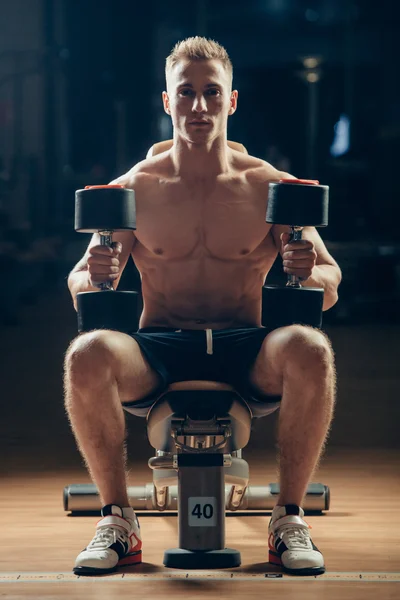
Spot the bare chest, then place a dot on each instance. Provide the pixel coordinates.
(219, 222)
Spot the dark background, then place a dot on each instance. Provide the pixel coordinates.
(80, 103)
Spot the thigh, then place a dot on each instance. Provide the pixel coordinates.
(295, 343)
(266, 374)
(90, 352)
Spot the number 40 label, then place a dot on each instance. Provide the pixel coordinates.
(202, 511)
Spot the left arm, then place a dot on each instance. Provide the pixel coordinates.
(309, 259)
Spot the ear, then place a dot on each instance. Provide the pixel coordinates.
(165, 100)
(233, 102)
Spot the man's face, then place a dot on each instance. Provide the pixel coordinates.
(199, 99)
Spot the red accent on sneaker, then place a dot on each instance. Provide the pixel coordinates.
(274, 559)
(129, 559)
(138, 544)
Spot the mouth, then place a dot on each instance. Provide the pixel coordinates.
(199, 123)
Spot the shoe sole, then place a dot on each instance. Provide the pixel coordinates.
(134, 558)
(275, 559)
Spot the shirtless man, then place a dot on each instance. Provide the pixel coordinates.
(203, 249)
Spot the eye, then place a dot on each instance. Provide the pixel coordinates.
(214, 92)
(185, 92)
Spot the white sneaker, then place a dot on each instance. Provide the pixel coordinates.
(290, 545)
(117, 543)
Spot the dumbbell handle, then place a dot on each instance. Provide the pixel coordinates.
(295, 234)
(106, 240)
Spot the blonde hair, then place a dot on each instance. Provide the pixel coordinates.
(198, 48)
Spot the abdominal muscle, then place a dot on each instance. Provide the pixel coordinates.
(205, 293)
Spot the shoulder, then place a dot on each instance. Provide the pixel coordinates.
(257, 171)
(146, 173)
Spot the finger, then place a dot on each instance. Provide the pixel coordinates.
(106, 250)
(300, 273)
(103, 269)
(298, 245)
(294, 264)
(103, 260)
(100, 274)
(299, 255)
(285, 237)
(101, 277)
(117, 247)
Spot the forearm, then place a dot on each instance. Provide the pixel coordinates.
(327, 277)
(78, 281)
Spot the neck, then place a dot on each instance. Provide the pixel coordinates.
(200, 160)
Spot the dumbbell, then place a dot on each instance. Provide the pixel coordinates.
(297, 203)
(104, 209)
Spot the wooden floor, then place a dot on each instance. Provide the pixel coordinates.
(359, 536)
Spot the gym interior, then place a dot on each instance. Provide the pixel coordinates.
(80, 103)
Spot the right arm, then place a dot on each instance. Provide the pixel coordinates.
(101, 263)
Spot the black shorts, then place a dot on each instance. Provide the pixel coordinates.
(223, 355)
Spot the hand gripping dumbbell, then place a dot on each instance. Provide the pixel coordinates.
(297, 203)
(104, 209)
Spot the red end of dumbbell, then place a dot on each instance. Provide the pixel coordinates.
(302, 181)
(92, 187)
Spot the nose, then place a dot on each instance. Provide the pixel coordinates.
(199, 104)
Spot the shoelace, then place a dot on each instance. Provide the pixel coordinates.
(106, 536)
(295, 538)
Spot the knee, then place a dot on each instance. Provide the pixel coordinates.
(88, 358)
(307, 350)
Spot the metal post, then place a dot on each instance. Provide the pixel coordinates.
(201, 502)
